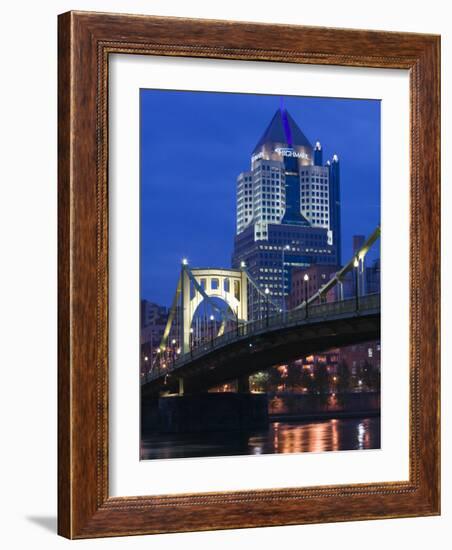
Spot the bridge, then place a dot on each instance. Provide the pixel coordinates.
(230, 347)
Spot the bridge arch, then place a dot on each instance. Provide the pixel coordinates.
(207, 321)
(229, 285)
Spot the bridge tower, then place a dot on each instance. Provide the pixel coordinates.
(196, 285)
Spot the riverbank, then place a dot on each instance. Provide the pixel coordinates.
(334, 405)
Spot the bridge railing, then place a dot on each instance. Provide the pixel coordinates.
(326, 310)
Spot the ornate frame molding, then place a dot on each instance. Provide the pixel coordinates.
(85, 42)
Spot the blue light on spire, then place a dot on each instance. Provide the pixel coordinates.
(286, 125)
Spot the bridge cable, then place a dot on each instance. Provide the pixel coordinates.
(339, 275)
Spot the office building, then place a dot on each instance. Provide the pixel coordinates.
(288, 210)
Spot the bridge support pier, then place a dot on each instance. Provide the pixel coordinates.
(214, 412)
(181, 386)
(243, 384)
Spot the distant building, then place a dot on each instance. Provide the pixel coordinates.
(153, 323)
(356, 356)
(151, 313)
(329, 358)
(373, 277)
(288, 210)
(368, 277)
(318, 275)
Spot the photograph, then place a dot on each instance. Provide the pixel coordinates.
(259, 274)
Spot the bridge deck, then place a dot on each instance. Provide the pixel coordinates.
(326, 316)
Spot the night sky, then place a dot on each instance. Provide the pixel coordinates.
(194, 145)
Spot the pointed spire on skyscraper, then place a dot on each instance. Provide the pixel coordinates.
(286, 125)
(281, 103)
(283, 130)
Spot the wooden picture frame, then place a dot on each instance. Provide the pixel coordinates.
(86, 40)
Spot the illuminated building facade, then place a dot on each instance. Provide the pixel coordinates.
(357, 356)
(288, 210)
(153, 322)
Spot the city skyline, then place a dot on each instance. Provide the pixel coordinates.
(206, 139)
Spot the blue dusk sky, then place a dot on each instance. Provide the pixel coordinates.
(194, 145)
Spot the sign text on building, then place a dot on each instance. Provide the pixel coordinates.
(286, 152)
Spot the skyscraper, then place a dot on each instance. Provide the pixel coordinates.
(335, 204)
(288, 209)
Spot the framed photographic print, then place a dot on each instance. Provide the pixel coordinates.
(248, 275)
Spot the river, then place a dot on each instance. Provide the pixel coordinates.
(280, 437)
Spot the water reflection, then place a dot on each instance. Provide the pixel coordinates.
(281, 437)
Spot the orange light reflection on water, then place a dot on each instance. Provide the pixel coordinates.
(316, 437)
(281, 437)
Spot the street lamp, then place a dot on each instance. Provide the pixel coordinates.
(283, 277)
(173, 351)
(157, 359)
(184, 261)
(306, 280)
(191, 340)
(356, 266)
(212, 319)
(267, 292)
